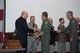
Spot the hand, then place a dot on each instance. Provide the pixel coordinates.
(38, 30)
(35, 29)
(58, 31)
(41, 34)
(79, 38)
(71, 39)
(37, 36)
(78, 30)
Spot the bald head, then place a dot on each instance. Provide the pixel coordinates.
(24, 14)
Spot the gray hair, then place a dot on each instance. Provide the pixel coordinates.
(69, 13)
(23, 12)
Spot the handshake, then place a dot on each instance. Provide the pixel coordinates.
(58, 31)
(36, 30)
(37, 34)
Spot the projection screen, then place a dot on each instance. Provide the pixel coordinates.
(55, 8)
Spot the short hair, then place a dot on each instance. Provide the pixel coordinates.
(45, 14)
(23, 12)
(32, 16)
(69, 13)
(61, 19)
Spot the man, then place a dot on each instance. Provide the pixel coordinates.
(22, 29)
(32, 42)
(61, 37)
(72, 30)
(45, 32)
(52, 35)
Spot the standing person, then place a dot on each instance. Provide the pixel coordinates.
(72, 30)
(22, 29)
(52, 34)
(45, 31)
(61, 37)
(32, 42)
(78, 21)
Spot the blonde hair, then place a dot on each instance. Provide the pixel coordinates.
(50, 20)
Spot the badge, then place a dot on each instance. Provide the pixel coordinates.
(73, 21)
(46, 22)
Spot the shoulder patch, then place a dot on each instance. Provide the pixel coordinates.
(73, 21)
(46, 22)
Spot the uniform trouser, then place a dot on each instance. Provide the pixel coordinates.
(61, 47)
(45, 46)
(74, 46)
(32, 44)
(51, 48)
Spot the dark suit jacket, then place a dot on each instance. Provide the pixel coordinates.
(78, 32)
(78, 29)
(22, 29)
(52, 34)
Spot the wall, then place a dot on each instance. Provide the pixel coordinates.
(55, 8)
(1, 19)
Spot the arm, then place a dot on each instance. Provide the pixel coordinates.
(26, 28)
(73, 29)
(67, 29)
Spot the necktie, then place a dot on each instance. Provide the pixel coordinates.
(33, 25)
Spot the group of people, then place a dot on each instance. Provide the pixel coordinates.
(29, 33)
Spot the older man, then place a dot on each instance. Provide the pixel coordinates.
(22, 29)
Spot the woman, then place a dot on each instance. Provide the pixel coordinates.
(52, 34)
(78, 21)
